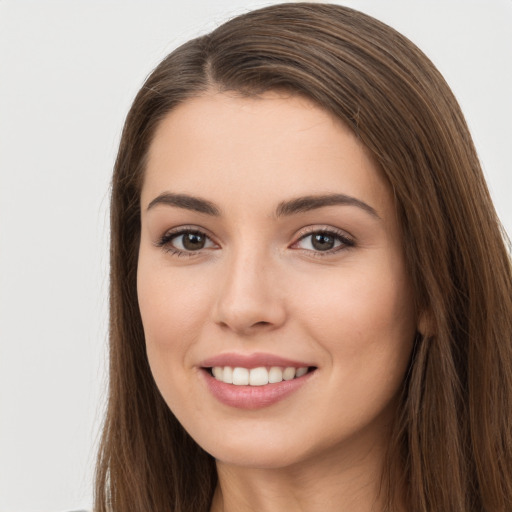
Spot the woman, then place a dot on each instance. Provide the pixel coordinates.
(311, 297)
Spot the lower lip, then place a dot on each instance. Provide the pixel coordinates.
(253, 397)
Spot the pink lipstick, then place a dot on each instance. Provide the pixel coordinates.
(254, 381)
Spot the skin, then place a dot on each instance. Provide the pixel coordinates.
(259, 285)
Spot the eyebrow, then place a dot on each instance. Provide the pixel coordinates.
(185, 201)
(284, 209)
(307, 203)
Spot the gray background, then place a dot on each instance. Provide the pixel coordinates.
(68, 72)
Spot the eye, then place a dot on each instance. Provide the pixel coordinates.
(324, 241)
(185, 241)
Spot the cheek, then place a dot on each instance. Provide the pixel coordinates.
(173, 310)
(364, 320)
(366, 328)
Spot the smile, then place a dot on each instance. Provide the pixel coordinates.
(256, 387)
(260, 376)
(253, 381)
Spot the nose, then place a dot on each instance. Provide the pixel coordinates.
(249, 299)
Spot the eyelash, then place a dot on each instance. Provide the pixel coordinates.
(165, 241)
(345, 241)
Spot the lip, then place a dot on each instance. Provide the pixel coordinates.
(252, 397)
(251, 361)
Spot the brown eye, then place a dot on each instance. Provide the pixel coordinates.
(186, 241)
(322, 241)
(193, 241)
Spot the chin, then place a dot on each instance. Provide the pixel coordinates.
(270, 443)
(257, 457)
(259, 447)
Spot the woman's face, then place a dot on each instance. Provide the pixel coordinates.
(269, 248)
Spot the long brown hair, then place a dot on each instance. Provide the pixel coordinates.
(451, 448)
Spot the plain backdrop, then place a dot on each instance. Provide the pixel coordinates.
(68, 72)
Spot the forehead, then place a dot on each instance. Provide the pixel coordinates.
(264, 147)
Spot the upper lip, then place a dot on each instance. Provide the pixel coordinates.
(251, 361)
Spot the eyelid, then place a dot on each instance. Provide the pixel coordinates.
(164, 241)
(347, 240)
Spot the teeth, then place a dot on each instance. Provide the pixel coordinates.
(289, 373)
(256, 376)
(301, 371)
(218, 372)
(240, 376)
(227, 376)
(275, 374)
